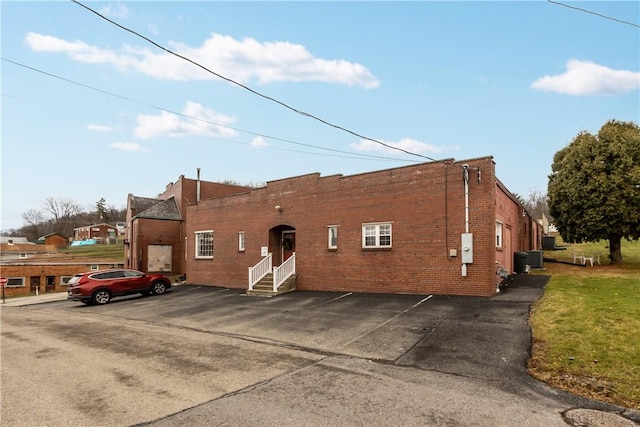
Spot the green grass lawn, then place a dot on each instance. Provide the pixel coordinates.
(586, 327)
(97, 251)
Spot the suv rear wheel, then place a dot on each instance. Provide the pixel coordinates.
(102, 296)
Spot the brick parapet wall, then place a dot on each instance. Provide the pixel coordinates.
(424, 203)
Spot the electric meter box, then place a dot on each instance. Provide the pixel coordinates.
(467, 248)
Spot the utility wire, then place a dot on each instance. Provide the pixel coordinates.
(594, 13)
(351, 154)
(303, 113)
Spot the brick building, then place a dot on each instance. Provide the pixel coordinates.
(95, 231)
(155, 236)
(30, 267)
(431, 228)
(54, 239)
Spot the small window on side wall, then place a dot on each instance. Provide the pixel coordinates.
(240, 241)
(498, 235)
(332, 234)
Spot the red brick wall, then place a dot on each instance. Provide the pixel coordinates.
(524, 232)
(156, 232)
(56, 240)
(425, 204)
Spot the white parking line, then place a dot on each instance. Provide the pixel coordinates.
(386, 321)
(337, 298)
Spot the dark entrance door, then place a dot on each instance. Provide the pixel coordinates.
(288, 244)
(35, 283)
(51, 283)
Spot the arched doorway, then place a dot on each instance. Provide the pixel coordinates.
(282, 243)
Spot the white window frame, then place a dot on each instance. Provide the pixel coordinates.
(14, 285)
(198, 236)
(332, 237)
(23, 255)
(240, 241)
(64, 280)
(378, 231)
(499, 234)
(94, 267)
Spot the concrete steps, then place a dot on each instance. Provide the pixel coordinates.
(264, 288)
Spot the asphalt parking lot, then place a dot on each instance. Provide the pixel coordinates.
(214, 356)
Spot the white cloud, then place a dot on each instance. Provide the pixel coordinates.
(407, 144)
(588, 78)
(129, 146)
(244, 61)
(117, 11)
(258, 142)
(99, 128)
(200, 121)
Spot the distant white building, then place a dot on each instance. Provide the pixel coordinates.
(14, 240)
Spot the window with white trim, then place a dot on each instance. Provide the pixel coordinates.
(23, 255)
(204, 244)
(332, 236)
(498, 234)
(241, 241)
(94, 267)
(376, 235)
(15, 282)
(64, 280)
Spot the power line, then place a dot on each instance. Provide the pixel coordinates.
(303, 113)
(594, 13)
(351, 154)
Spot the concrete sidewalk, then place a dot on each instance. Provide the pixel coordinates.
(34, 299)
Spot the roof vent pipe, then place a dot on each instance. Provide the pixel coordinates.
(198, 187)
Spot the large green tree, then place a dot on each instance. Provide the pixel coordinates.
(594, 187)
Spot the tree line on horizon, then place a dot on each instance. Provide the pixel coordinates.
(62, 215)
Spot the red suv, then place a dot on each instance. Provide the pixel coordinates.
(98, 287)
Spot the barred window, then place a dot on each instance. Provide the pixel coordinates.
(204, 244)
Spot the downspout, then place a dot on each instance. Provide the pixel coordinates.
(467, 237)
(465, 177)
(465, 171)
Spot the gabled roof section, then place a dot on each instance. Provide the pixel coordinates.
(142, 203)
(162, 209)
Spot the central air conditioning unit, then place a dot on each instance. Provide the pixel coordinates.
(535, 259)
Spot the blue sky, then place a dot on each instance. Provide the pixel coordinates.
(515, 80)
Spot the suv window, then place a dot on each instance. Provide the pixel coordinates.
(130, 273)
(74, 279)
